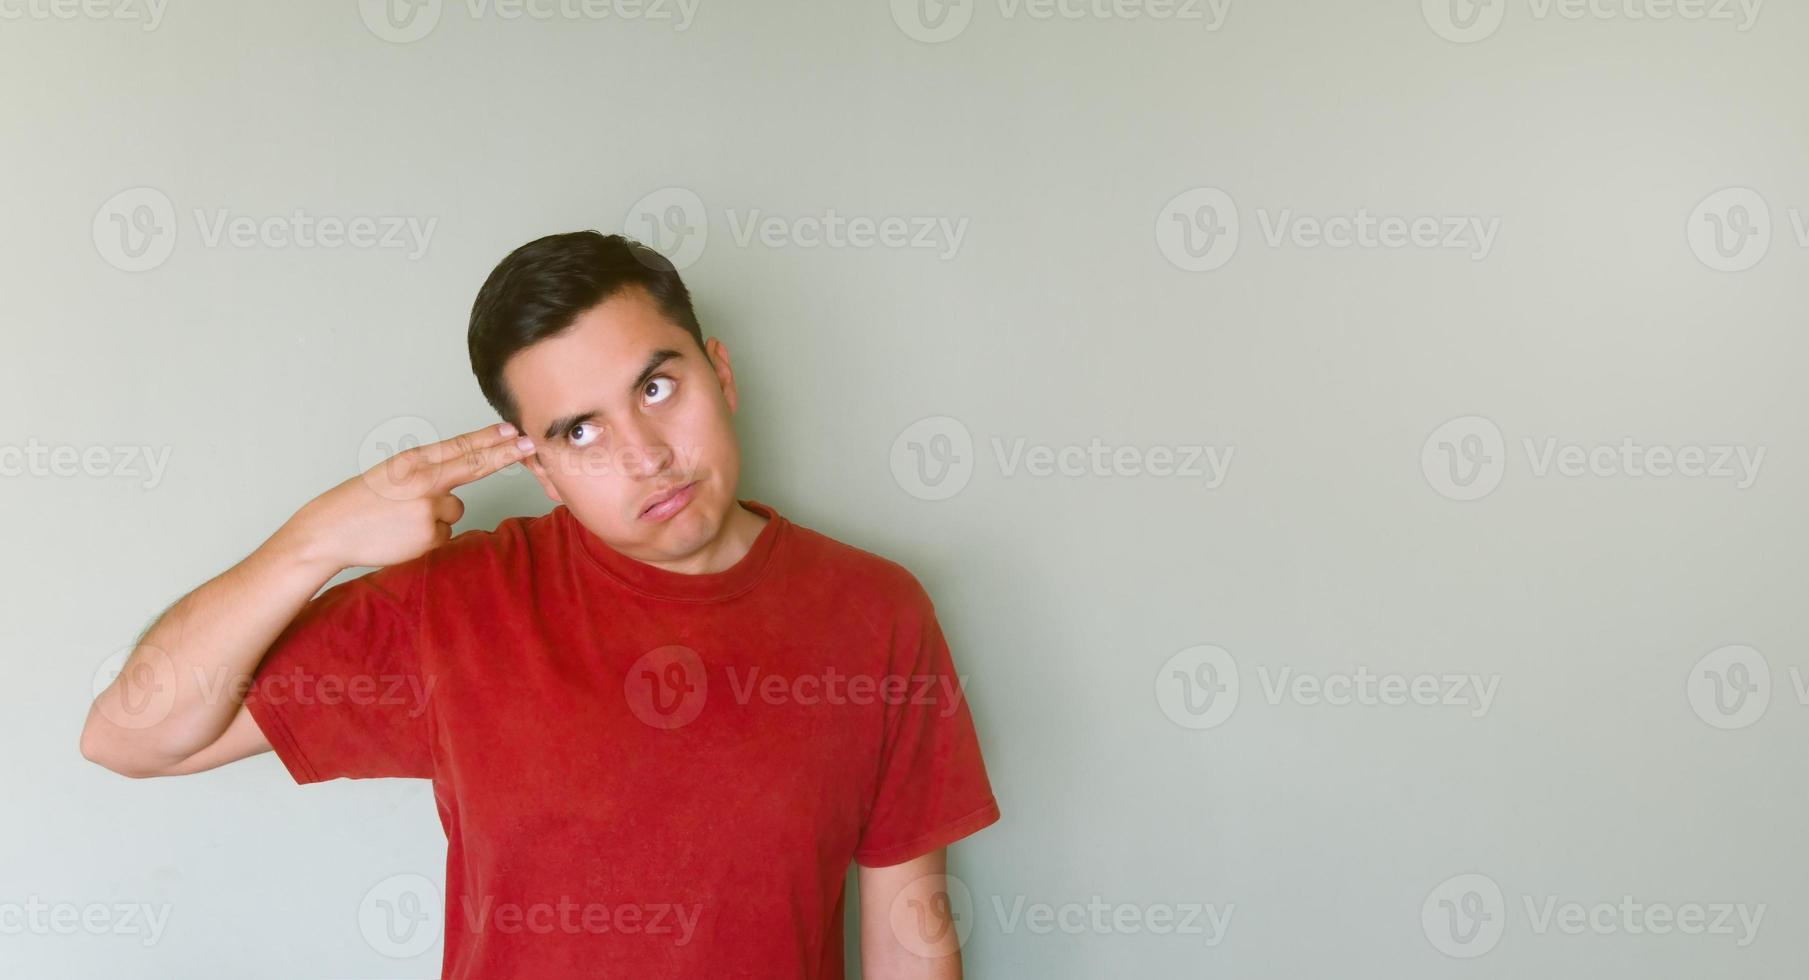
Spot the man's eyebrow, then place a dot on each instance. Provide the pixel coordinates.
(654, 361)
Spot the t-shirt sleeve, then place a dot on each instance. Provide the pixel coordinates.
(932, 788)
(341, 691)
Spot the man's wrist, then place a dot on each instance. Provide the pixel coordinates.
(293, 546)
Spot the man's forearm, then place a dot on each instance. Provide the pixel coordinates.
(179, 688)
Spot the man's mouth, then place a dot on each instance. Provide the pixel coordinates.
(668, 502)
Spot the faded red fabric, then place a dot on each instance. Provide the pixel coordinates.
(640, 773)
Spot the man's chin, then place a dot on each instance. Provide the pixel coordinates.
(685, 531)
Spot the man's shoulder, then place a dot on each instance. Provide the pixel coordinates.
(514, 542)
(856, 571)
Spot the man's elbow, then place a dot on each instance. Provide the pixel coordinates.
(104, 749)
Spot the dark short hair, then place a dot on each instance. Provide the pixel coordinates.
(541, 288)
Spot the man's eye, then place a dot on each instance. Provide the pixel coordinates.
(659, 389)
(571, 434)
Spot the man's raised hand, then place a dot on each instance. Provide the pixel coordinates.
(403, 506)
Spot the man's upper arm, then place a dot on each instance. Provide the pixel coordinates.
(931, 788)
(342, 691)
(908, 929)
(241, 740)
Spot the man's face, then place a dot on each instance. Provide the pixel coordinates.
(624, 409)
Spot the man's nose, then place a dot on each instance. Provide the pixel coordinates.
(645, 452)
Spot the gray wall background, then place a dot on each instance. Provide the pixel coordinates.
(1397, 506)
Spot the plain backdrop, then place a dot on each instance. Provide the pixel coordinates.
(1476, 320)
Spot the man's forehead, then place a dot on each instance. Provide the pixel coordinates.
(595, 360)
(618, 331)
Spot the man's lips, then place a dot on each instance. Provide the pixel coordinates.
(667, 503)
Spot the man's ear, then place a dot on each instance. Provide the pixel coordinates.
(532, 462)
(725, 375)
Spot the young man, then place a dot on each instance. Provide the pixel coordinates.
(660, 720)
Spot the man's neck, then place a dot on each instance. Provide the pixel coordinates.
(739, 529)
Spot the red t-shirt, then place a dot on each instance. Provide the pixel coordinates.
(640, 773)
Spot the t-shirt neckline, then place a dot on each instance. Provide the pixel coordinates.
(663, 584)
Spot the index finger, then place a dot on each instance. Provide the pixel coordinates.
(467, 442)
(476, 457)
